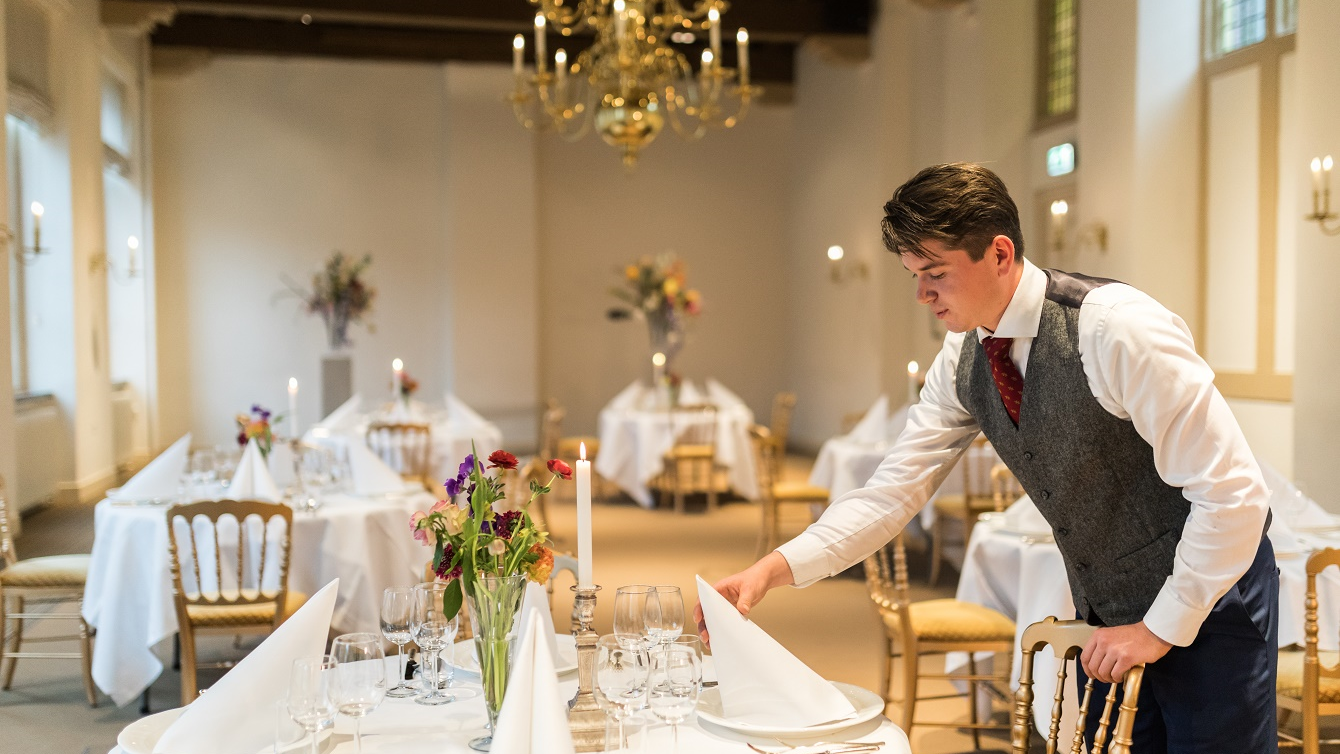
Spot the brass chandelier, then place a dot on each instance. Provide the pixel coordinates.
(631, 79)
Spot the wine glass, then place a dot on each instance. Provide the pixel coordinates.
(397, 607)
(675, 679)
(633, 606)
(311, 703)
(667, 621)
(622, 671)
(360, 677)
(433, 632)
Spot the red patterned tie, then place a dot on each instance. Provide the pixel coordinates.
(1008, 380)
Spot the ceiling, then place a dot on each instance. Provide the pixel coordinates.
(467, 30)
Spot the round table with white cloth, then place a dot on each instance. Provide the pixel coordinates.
(635, 435)
(365, 543)
(403, 727)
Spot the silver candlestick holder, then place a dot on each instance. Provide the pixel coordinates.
(585, 717)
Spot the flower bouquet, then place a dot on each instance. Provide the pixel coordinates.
(339, 295)
(655, 290)
(256, 426)
(486, 546)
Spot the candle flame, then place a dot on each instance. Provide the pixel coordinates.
(1327, 163)
(581, 449)
(714, 15)
(1316, 164)
(913, 367)
(539, 20)
(38, 209)
(518, 42)
(293, 384)
(1060, 208)
(742, 36)
(658, 359)
(835, 253)
(398, 365)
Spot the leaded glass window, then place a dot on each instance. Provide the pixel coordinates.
(1060, 58)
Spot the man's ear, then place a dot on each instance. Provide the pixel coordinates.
(1002, 254)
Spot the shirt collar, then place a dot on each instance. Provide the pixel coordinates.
(1023, 315)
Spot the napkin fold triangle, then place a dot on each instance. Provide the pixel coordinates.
(536, 600)
(534, 715)
(759, 680)
(161, 477)
(236, 714)
(874, 425)
(462, 414)
(371, 475)
(252, 481)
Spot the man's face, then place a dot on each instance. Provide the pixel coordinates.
(960, 292)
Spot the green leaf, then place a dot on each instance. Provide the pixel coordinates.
(452, 599)
(438, 553)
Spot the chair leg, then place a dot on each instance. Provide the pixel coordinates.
(886, 671)
(972, 703)
(86, 661)
(190, 687)
(14, 641)
(937, 550)
(774, 524)
(910, 673)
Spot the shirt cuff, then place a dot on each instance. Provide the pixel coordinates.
(1172, 620)
(807, 557)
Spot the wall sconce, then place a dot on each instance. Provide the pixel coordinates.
(843, 270)
(1094, 233)
(28, 254)
(1321, 195)
(100, 262)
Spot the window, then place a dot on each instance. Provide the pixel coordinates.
(1235, 24)
(1058, 59)
(1286, 17)
(20, 136)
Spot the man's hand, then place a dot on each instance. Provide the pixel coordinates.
(1112, 651)
(746, 589)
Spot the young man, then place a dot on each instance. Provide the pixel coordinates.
(1094, 396)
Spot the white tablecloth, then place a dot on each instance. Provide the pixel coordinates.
(401, 726)
(128, 597)
(634, 441)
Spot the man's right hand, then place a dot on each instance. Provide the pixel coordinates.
(747, 588)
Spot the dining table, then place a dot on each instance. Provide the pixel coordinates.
(404, 727)
(362, 540)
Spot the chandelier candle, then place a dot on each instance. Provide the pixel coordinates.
(584, 570)
(714, 31)
(518, 53)
(541, 52)
(742, 48)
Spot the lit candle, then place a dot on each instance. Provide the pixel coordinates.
(742, 51)
(707, 61)
(397, 377)
(561, 64)
(913, 375)
(714, 31)
(38, 211)
(518, 52)
(293, 406)
(657, 370)
(1060, 210)
(133, 264)
(620, 19)
(541, 51)
(584, 520)
(1316, 174)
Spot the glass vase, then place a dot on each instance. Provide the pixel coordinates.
(493, 609)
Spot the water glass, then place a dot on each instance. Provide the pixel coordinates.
(675, 680)
(204, 467)
(635, 608)
(360, 677)
(310, 701)
(433, 632)
(666, 622)
(397, 607)
(622, 672)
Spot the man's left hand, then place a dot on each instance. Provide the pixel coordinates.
(1112, 651)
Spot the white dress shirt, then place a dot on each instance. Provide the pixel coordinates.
(1141, 366)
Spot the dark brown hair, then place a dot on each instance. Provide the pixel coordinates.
(959, 204)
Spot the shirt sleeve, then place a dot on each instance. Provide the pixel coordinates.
(1142, 365)
(858, 523)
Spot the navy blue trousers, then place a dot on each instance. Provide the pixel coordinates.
(1217, 695)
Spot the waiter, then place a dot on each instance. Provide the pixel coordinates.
(1093, 395)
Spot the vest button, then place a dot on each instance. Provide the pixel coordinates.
(1028, 455)
(1081, 566)
(1063, 531)
(1046, 494)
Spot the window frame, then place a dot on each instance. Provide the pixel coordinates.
(1042, 68)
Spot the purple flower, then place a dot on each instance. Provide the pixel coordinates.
(453, 486)
(467, 466)
(448, 552)
(505, 524)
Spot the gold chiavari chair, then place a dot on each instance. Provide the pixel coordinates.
(405, 447)
(913, 629)
(48, 580)
(1067, 639)
(214, 606)
(1005, 488)
(774, 492)
(779, 426)
(690, 464)
(965, 508)
(1308, 682)
(563, 563)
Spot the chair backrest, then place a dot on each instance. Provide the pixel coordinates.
(8, 555)
(694, 425)
(1313, 669)
(405, 447)
(783, 406)
(1005, 488)
(768, 460)
(551, 429)
(1067, 638)
(198, 533)
(562, 564)
(886, 580)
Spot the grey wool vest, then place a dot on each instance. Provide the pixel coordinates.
(1092, 476)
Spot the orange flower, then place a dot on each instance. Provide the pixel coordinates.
(543, 566)
(631, 272)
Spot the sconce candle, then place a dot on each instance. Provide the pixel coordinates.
(913, 377)
(38, 210)
(133, 262)
(1060, 209)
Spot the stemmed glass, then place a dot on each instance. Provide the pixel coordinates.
(666, 622)
(635, 609)
(360, 677)
(397, 607)
(676, 677)
(311, 701)
(433, 632)
(622, 672)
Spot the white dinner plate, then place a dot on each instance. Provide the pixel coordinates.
(141, 736)
(466, 658)
(868, 706)
(1328, 524)
(114, 494)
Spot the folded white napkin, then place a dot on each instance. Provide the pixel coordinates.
(534, 715)
(1023, 515)
(1282, 538)
(689, 394)
(280, 464)
(873, 427)
(897, 422)
(462, 414)
(371, 475)
(721, 395)
(236, 713)
(161, 477)
(536, 600)
(759, 680)
(1285, 497)
(628, 397)
(252, 480)
(345, 416)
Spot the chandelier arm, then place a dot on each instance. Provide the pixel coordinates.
(575, 18)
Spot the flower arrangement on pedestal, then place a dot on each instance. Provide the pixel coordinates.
(655, 289)
(340, 296)
(256, 426)
(486, 545)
